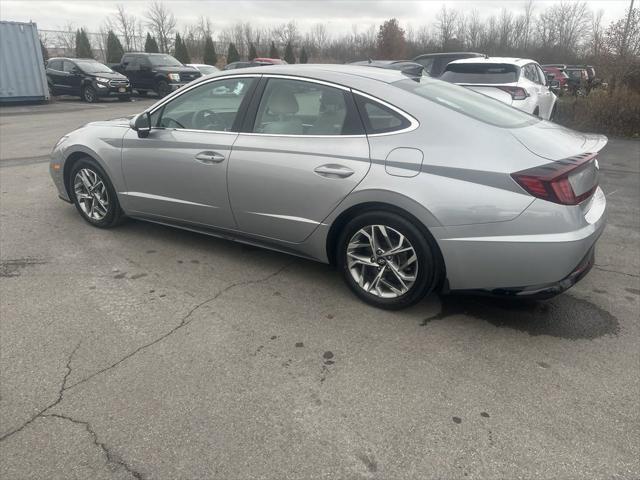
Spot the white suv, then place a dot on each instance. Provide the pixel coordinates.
(519, 82)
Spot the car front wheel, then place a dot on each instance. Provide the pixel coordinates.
(93, 194)
(89, 95)
(386, 260)
(163, 89)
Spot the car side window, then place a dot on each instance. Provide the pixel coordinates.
(298, 107)
(213, 106)
(68, 66)
(378, 118)
(55, 65)
(132, 63)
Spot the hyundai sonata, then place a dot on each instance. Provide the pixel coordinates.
(408, 185)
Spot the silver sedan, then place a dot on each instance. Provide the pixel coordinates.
(408, 185)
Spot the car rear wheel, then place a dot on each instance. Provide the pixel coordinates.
(89, 95)
(163, 88)
(386, 260)
(93, 195)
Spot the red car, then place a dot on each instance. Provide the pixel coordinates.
(273, 61)
(558, 74)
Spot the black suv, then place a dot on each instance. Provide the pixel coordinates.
(159, 72)
(86, 78)
(435, 63)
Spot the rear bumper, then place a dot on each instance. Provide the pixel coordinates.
(544, 251)
(541, 292)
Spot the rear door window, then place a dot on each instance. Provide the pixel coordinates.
(68, 66)
(482, 73)
(379, 118)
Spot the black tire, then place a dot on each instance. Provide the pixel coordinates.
(428, 268)
(142, 93)
(89, 94)
(114, 214)
(163, 89)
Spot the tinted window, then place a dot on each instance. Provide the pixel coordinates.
(294, 107)
(68, 66)
(468, 102)
(213, 106)
(378, 118)
(480, 73)
(530, 73)
(55, 65)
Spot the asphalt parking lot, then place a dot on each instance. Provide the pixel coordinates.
(147, 352)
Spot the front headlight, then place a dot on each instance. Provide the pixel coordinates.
(174, 77)
(102, 80)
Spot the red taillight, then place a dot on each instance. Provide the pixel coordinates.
(517, 93)
(551, 181)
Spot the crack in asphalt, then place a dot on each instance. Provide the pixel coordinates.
(183, 323)
(63, 387)
(616, 271)
(111, 457)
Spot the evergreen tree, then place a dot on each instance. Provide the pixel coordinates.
(303, 56)
(252, 52)
(83, 46)
(289, 57)
(232, 54)
(45, 53)
(114, 48)
(273, 51)
(181, 53)
(209, 57)
(150, 44)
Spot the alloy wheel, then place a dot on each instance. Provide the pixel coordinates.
(382, 261)
(91, 193)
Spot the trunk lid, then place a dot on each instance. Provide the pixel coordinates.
(554, 142)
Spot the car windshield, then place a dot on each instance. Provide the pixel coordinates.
(93, 67)
(480, 73)
(164, 61)
(468, 102)
(574, 73)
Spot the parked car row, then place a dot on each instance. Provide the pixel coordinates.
(143, 72)
(574, 79)
(518, 82)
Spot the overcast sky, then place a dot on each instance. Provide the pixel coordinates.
(339, 15)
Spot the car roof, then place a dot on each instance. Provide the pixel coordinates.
(75, 59)
(326, 72)
(447, 54)
(508, 60)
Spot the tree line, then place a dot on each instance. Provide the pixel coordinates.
(564, 32)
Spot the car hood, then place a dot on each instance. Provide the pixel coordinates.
(176, 70)
(111, 76)
(554, 142)
(115, 122)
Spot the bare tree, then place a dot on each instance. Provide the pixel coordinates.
(474, 32)
(597, 35)
(446, 21)
(162, 23)
(125, 25)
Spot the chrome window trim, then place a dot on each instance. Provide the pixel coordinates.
(413, 122)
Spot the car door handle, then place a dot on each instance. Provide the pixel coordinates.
(333, 171)
(210, 157)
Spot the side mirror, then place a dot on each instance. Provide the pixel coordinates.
(550, 76)
(554, 84)
(142, 124)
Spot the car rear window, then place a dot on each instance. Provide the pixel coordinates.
(485, 73)
(468, 102)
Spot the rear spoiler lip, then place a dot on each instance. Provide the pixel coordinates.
(592, 143)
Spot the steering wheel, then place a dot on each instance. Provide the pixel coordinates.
(167, 121)
(209, 120)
